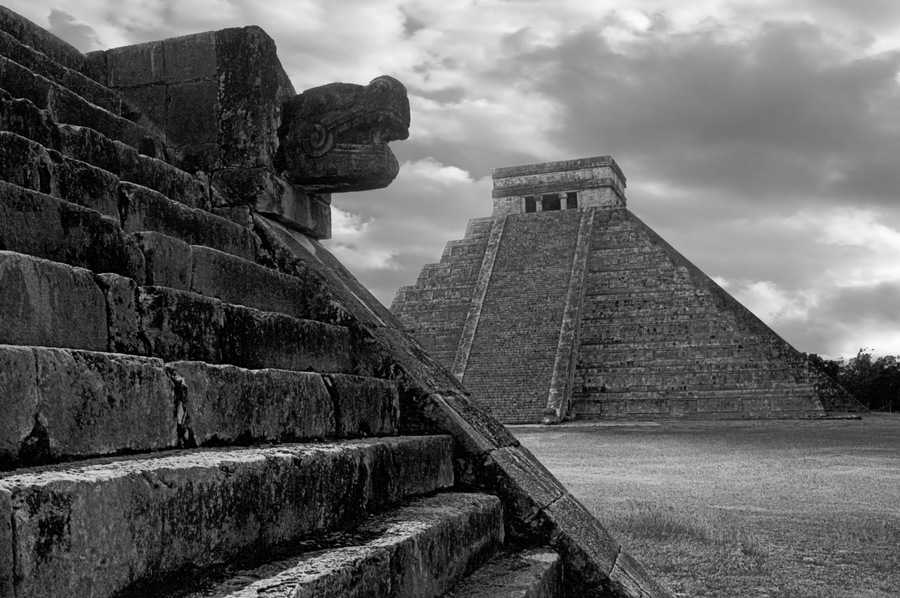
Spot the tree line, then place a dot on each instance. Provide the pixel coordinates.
(874, 382)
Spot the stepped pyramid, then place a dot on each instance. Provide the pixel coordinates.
(196, 397)
(563, 304)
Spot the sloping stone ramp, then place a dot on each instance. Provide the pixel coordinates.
(198, 402)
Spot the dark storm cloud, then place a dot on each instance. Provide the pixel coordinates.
(779, 113)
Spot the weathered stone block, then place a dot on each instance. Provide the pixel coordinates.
(82, 184)
(141, 517)
(277, 198)
(416, 471)
(24, 118)
(161, 176)
(167, 259)
(79, 403)
(535, 573)
(190, 57)
(50, 228)
(18, 400)
(191, 115)
(135, 65)
(39, 300)
(257, 339)
(70, 108)
(364, 406)
(226, 404)
(241, 282)
(179, 325)
(27, 164)
(121, 296)
(586, 546)
(147, 210)
(151, 99)
(253, 88)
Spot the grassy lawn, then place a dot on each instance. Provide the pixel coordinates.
(783, 509)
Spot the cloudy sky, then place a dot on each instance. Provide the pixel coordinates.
(761, 138)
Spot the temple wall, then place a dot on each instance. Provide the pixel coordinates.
(435, 307)
(658, 340)
(511, 360)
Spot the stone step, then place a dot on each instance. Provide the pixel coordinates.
(40, 39)
(143, 209)
(22, 117)
(117, 315)
(93, 235)
(46, 227)
(65, 106)
(40, 64)
(97, 528)
(416, 551)
(534, 573)
(64, 404)
(27, 164)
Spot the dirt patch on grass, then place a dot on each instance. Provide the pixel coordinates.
(784, 509)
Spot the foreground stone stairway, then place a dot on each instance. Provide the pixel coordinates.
(197, 400)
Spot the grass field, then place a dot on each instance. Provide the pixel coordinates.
(778, 509)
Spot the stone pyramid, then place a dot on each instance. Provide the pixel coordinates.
(563, 304)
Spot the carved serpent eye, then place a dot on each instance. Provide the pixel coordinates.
(316, 140)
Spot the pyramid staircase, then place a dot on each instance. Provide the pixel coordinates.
(197, 402)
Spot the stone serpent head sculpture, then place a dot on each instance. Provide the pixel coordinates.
(333, 138)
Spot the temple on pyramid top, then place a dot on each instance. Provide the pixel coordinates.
(595, 182)
(564, 305)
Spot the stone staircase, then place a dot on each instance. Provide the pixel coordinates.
(199, 401)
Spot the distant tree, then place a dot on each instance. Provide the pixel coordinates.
(874, 382)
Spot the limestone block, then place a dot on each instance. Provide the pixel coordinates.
(68, 107)
(18, 401)
(82, 184)
(138, 517)
(149, 101)
(22, 83)
(87, 145)
(257, 339)
(238, 281)
(39, 300)
(80, 403)
(225, 404)
(50, 228)
(168, 260)
(180, 325)
(160, 176)
(253, 88)
(25, 119)
(147, 210)
(268, 194)
(27, 164)
(416, 471)
(136, 65)
(585, 544)
(364, 406)
(535, 573)
(190, 57)
(121, 296)
(191, 117)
